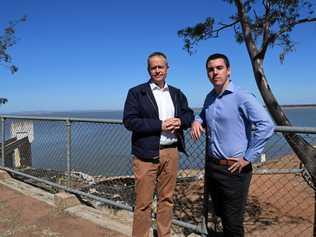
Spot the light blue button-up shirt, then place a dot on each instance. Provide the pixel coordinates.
(229, 118)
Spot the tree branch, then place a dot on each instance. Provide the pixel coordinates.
(266, 32)
(271, 38)
(276, 35)
(8, 40)
(224, 26)
(243, 18)
(202, 31)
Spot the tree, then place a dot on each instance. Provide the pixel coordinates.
(261, 25)
(3, 100)
(7, 40)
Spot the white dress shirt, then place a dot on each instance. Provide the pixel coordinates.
(165, 109)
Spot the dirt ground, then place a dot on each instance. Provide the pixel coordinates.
(25, 216)
(278, 204)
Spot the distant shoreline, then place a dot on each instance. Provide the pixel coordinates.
(290, 106)
(299, 106)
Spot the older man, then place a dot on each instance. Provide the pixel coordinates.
(156, 113)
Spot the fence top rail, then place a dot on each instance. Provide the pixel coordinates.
(293, 129)
(70, 119)
(290, 129)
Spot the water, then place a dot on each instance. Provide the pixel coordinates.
(104, 149)
(277, 147)
(305, 117)
(299, 116)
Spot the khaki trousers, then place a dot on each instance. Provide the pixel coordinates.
(148, 176)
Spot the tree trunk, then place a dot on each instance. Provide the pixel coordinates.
(305, 151)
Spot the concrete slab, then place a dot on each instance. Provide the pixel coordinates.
(29, 190)
(4, 175)
(65, 200)
(100, 218)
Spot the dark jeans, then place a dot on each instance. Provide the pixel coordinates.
(229, 195)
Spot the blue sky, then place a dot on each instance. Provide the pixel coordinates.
(85, 55)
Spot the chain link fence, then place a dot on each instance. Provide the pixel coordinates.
(91, 157)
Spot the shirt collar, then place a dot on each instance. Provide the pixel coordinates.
(230, 89)
(153, 86)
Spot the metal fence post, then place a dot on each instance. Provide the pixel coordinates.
(68, 152)
(314, 227)
(205, 193)
(2, 141)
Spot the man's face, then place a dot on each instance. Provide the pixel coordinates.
(218, 73)
(158, 69)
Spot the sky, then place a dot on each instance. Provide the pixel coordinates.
(84, 55)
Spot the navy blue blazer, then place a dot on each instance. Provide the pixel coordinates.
(141, 116)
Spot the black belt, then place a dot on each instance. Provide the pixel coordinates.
(173, 145)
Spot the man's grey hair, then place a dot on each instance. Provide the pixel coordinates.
(160, 54)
